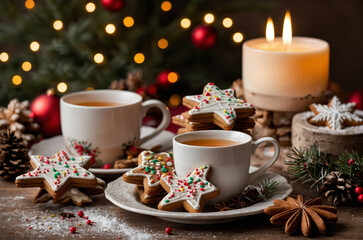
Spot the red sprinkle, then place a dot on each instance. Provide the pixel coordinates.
(80, 214)
(72, 230)
(62, 218)
(89, 222)
(168, 230)
(30, 228)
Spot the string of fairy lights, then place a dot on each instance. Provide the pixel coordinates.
(110, 29)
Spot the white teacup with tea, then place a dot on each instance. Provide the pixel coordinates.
(227, 152)
(103, 123)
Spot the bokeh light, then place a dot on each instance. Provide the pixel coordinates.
(17, 80)
(128, 21)
(174, 100)
(139, 58)
(209, 18)
(90, 7)
(4, 56)
(185, 23)
(34, 46)
(163, 43)
(26, 66)
(29, 4)
(173, 77)
(237, 37)
(98, 58)
(58, 25)
(110, 28)
(166, 6)
(227, 22)
(62, 87)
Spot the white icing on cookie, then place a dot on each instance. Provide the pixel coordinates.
(153, 165)
(336, 114)
(221, 102)
(58, 169)
(190, 188)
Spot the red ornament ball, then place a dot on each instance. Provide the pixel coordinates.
(113, 5)
(360, 198)
(162, 80)
(80, 214)
(357, 97)
(168, 230)
(46, 112)
(358, 190)
(72, 230)
(350, 162)
(204, 37)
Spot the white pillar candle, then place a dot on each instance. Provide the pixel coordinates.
(285, 75)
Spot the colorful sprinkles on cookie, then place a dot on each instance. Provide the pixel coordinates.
(222, 102)
(191, 188)
(57, 170)
(153, 167)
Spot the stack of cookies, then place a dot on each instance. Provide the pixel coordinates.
(214, 109)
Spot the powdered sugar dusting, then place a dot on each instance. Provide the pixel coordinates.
(44, 220)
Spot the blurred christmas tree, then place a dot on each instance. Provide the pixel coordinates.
(77, 45)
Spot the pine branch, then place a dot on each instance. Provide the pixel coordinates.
(351, 164)
(268, 188)
(309, 166)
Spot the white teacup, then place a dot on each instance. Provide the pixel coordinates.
(104, 132)
(230, 164)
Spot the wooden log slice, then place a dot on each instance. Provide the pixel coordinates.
(330, 141)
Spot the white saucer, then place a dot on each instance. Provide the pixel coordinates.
(48, 147)
(123, 195)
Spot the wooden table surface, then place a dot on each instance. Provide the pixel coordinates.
(111, 222)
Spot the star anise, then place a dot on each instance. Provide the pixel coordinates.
(224, 206)
(295, 212)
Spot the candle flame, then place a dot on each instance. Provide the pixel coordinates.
(270, 30)
(287, 30)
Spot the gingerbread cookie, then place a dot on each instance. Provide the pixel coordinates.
(190, 192)
(217, 106)
(58, 174)
(151, 167)
(335, 115)
(147, 199)
(181, 120)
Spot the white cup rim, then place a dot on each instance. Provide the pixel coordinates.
(217, 134)
(137, 97)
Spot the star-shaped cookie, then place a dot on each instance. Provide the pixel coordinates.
(190, 192)
(217, 106)
(335, 115)
(58, 174)
(152, 166)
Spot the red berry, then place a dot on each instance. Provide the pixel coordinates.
(360, 198)
(168, 230)
(350, 162)
(89, 222)
(80, 214)
(107, 166)
(358, 190)
(72, 229)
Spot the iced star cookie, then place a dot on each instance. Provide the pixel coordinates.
(217, 106)
(58, 174)
(190, 192)
(335, 115)
(151, 167)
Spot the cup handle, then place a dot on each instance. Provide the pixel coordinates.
(164, 123)
(253, 175)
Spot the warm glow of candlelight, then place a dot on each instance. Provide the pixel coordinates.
(270, 30)
(287, 30)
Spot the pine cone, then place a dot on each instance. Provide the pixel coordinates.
(336, 188)
(14, 159)
(248, 197)
(131, 83)
(16, 117)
